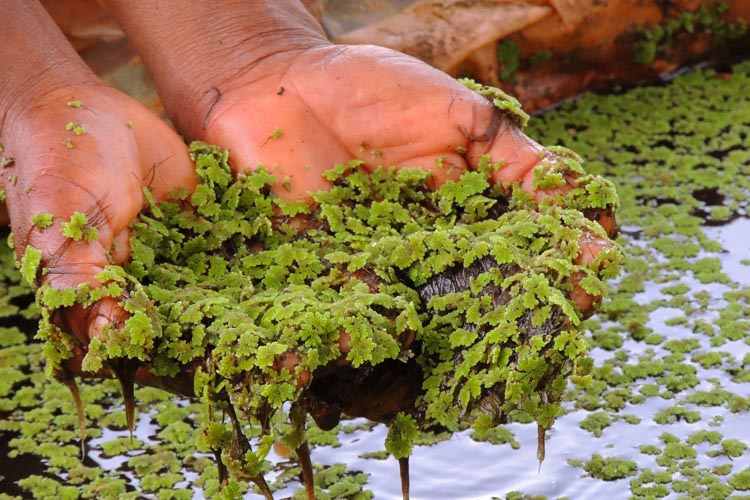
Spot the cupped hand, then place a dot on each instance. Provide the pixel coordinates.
(87, 149)
(299, 112)
(310, 109)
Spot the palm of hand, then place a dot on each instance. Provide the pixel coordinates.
(318, 107)
(332, 104)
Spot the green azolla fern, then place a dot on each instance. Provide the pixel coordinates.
(256, 290)
(655, 42)
(235, 284)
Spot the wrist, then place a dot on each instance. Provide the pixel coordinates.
(205, 50)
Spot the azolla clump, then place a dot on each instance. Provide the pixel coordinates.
(425, 309)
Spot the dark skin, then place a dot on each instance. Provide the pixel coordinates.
(257, 70)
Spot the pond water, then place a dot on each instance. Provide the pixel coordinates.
(665, 415)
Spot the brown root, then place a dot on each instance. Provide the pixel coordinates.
(403, 468)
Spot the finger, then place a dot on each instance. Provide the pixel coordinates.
(500, 138)
(299, 135)
(70, 261)
(165, 167)
(448, 167)
(92, 322)
(605, 217)
(105, 213)
(87, 211)
(497, 136)
(590, 247)
(291, 362)
(164, 157)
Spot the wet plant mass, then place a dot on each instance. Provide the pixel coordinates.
(672, 337)
(420, 308)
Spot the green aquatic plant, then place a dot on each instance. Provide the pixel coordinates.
(741, 480)
(674, 154)
(507, 104)
(653, 43)
(42, 220)
(610, 468)
(77, 228)
(298, 296)
(76, 127)
(256, 295)
(509, 55)
(673, 151)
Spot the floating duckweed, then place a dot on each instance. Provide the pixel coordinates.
(509, 54)
(401, 435)
(709, 359)
(607, 340)
(538, 58)
(120, 445)
(74, 104)
(741, 480)
(650, 449)
(738, 404)
(639, 485)
(675, 414)
(485, 430)
(676, 451)
(732, 448)
(596, 422)
(609, 468)
(518, 495)
(664, 148)
(30, 261)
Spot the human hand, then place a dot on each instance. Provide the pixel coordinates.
(70, 144)
(274, 91)
(87, 149)
(329, 104)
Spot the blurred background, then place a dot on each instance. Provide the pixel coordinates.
(541, 51)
